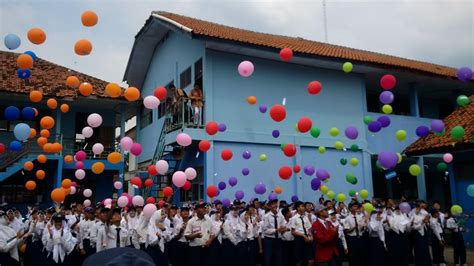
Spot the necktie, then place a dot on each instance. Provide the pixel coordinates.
(357, 225)
(276, 226)
(118, 236)
(304, 228)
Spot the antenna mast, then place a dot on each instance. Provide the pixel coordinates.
(325, 22)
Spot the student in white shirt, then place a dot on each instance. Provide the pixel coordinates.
(199, 234)
(15, 223)
(215, 249)
(376, 238)
(101, 229)
(157, 233)
(9, 240)
(437, 238)
(398, 228)
(354, 227)
(130, 222)
(301, 229)
(341, 242)
(420, 224)
(459, 247)
(117, 235)
(232, 237)
(287, 237)
(86, 227)
(273, 228)
(58, 241)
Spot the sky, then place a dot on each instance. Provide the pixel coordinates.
(440, 32)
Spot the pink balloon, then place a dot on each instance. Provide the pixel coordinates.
(126, 143)
(87, 132)
(94, 120)
(73, 184)
(87, 203)
(138, 200)
(73, 190)
(108, 201)
(447, 157)
(162, 167)
(246, 68)
(80, 155)
(118, 185)
(97, 148)
(148, 210)
(80, 174)
(151, 102)
(79, 165)
(183, 139)
(136, 149)
(179, 178)
(122, 201)
(87, 193)
(190, 173)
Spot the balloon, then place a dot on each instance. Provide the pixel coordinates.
(352, 193)
(275, 133)
(83, 47)
(138, 201)
(260, 188)
(278, 190)
(87, 203)
(322, 174)
(24, 61)
(384, 121)
(285, 172)
(149, 210)
(232, 181)
(89, 18)
(28, 166)
(343, 161)
(36, 36)
(351, 132)
(23, 73)
(211, 191)
(347, 67)
(305, 124)
(351, 178)
(309, 170)
(324, 189)
(131, 94)
(387, 109)
(80, 174)
(87, 132)
(222, 127)
(296, 168)
(401, 135)
(354, 161)
(57, 195)
(315, 183)
(330, 194)
(72, 82)
(226, 154)
(21, 131)
(151, 102)
(30, 185)
(314, 87)
(289, 150)
(12, 41)
(183, 139)
(388, 159)
(375, 126)
(94, 120)
(368, 207)
(126, 143)
(85, 89)
(464, 74)
(387, 82)
(150, 200)
(179, 178)
(470, 190)
(386, 97)
(97, 148)
(190, 173)
(212, 128)
(98, 167)
(221, 185)
(2, 148)
(456, 210)
(64, 108)
(167, 191)
(66, 183)
(441, 167)
(41, 158)
(414, 170)
(113, 90)
(136, 182)
(339, 145)
(262, 157)
(122, 201)
(437, 126)
(118, 185)
(73, 190)
(160, 93)
(239, 194)
(28, 113)
(334, 131)
(107, 202)
(262, 108)
(447, 157)
(252, 100)
(422, 131)
(136, 149)
(15, 145)
(278, 112)
(245, 171)
(246, 155)
(162, 167)
(368, 119)
(11, 113)
(272, 196)
(114, 157)
(286, 54)
(226, 202)
(457, 133)
(52, 103)
(364, 193)
(462, 100)
(245, 69)
(40, 174)
(322, 149)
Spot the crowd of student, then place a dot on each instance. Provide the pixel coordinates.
(271, 233)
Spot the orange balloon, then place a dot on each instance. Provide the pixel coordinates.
(36, 36)
(72, 82)
(42, 141)
(58, 195)
(56, 147)
(47, 122)
(28, 166)
(44, 133)
(42, 158)
(30, 185)
(66, 183)
(252, 100)
(89, 18)
(24, 61)
(68, 159)
(66, 191)
(278, 190)
(114, 157)
(113, 90)
(40, 174)
(48, 147)
(85, 89)
(52, 103)
(98, 167)
(131, 94)
(36, 96)
(32, 133)
(64, 108)
(36, 110)
(83, 47)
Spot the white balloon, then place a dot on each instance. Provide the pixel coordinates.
(97, 148)
(138, 200)
(73, 190)
(190, 173)
(151, 102)
(162, 167)
(87, 193)
(118, 185)
(94, 120)
(80, 174)
(108, 201)
(87, 132)
(87, 203)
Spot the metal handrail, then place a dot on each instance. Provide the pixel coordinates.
(184, 117)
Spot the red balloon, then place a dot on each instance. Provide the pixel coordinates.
(226, 154)
(204, 145)
(296, 168)
(278, 112)
(2, 148)
(161, 203)
(137, 181)
(211, 191)
(149, 182)
(289, 150)
(160, 93)
(187, 185)
(304, 124)
(286, 54)
(167, 191)
(387, 82)
(314, 87)
(212, 127)
(285, 172)
(152, 170)
(150, 200)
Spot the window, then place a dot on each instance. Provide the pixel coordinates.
(401, 104)
(162, 109)
(373, 103)
(198, 70)
(185, 78)
(197, 188)
(434, 109)
(146, 117)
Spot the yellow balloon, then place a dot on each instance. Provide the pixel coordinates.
(324, 189)
(400, 158)
(387, 109)
(339, 145)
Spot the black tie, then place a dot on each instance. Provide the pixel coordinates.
(304, 228)
(118, 236)
(357, 225)
(276, 226)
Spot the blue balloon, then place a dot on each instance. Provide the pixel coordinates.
(15, 145)
(21, 131)
(12, 41)
(12, 113)
(32, 54)
(23, 73)
(28, 113)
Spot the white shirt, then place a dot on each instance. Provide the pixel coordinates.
(17, 225)
(349, 224)
(233, 230)
(196, 225)
(418, 224)
(436, 228)
(452, 224)
(398, 222)
(60, 243)
(376, 228)
(124, 240)
(85, 230)
(340, 232)
(216, 229)
(101, 241)
(287, 235)
(301, 225)
(269, 229)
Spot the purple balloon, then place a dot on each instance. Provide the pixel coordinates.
(322, 174)
(437, 126)
(388, 159)
(226, 202)
(239, 194)
(232, 181)
(222, 127)
(260, 189)
(375, 126)
(351, 132)
(386, 97)
(245, 171)
(294, 198)
(272, 196)
(276, 133)
(246, 155)
(221, 185)
(308, 170)
(263, 108)
(422, 131)
(464, 74)
(315, 183)
(405, 207)
(384, 120)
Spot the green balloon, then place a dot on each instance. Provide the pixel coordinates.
(470, 190)
(368, 119)
(315, 132)
(401, 135)
(322, 149)
(351, 178)
(457, 133)
(343, 161)
(347, 67)
(331, 194)
(368, 207)
(334, 131)
(352, 192)
(364, 193)
(354, 147)
(441, 167)
(341, 197)
(456, 210)
(262, 157)
(282, 146)
(414, 169)
(462, 100)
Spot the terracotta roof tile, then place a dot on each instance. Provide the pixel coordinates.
(462, 116)
(201, 28)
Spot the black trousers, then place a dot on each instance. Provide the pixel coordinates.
(252, 247)
(288, 257)
(215, 253)
(170, 248)
(199, 256)
(355, 245)
(340, 248)
(7, 260)
(230, 253)
(377, 250)
(303, 250)
(272, 252)
(159, 258)
(437, 250)
(459, 248)
(180, 254)
(422, 251)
